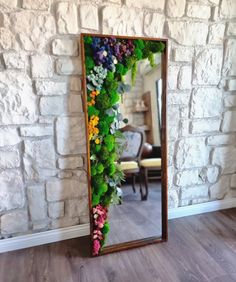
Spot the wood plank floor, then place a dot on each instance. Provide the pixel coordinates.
(200, 248)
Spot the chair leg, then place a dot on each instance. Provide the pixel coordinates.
(140, 184)
(133, 182)
(145, 170)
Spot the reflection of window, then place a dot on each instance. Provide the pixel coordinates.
(159, 92)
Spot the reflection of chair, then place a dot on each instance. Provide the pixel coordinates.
(130, 158)
(151, 164)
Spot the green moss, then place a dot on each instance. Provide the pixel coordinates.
(138, 53)
(92, 111)
(100, 168)
(106, 228)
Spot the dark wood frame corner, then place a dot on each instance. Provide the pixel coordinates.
(164, 176)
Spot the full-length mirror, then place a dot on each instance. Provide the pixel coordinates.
(125, 97)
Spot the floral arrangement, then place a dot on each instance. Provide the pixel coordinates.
(107, 61)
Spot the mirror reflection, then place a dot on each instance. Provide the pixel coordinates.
(124, 92)
(137, 213)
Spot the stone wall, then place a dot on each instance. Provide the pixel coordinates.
(42, 130)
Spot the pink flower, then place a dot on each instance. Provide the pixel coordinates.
(96, 247)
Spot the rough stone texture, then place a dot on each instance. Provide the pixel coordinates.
(75, 83)
(52, 105)
(89, 17)
(191, 152)
(183, 54)
(173, 73)
(34, 29)
(68, 66)
(77, 207)
(225, 158)
(42, 66)
(66, 47)
(57, 190)
(188, 33)
(229, 122)
(216, 33)
(36, 201)
(202, 126)
(8, 137)
(14, 222)
(70, 162)
(71, 135)
(36, 4)
(230, 58)
(196, 192)
(153, 24)
(14, 60)
(51, 87)
(230, 101)
(207, 68)
(175, 8)
(212, 174)
(194, 10)
(185, 78)
(36, 130)
(56, 210)
(231, 29)
(231, 85)
(219, 189)
(233, 181)
(217, 140)
(202, 101)
(188, 178)
(18, 102)
(228, 9)
(11, 190)
(9, 158)
(147, 4)
(120, 20)
(67, 18)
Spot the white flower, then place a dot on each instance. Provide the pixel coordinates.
(104, 53)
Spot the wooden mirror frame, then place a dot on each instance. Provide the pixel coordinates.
(164, 192)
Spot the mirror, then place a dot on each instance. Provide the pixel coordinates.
(124, 82)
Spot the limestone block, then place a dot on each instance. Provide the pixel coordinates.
(183, 54)
(8, 137)
(71, 137)
(207, 68)
(67, 66)
(14, 222)
(70, 162)
(216, 33)
(228, 9)
(188, 178)
(52, 105)
(173, 199)
(153, 24)
(229, 68)
(89, 16)
(7, 39)
(18, 102)
(75, 83)
(36, 202)
(36, 4)
(44, 87)
(14, 60)
(176, 98)
(202, 101)
(67, 18)
(194, 10)
(9, 158)
(33, 28)
(75, 104)
(56, 210)
(195, 192)
(231, 29)
(78, 207)
(204, 126)
(64, 222)
(185, 78)
(42, 66)
(173, 72)
(63, 189)
(175, 8)
(191, 152)
(233, 181)
(222, 139)
(229, 121)
(36, 130)
(225, 157)
(188, 33)
(219, 189)
(230, 101)
(10, 4)
(122, 21)
(212, 174)
(65, 174)
(66, 47)
(11, 190)
(231, 85)
(147, 4)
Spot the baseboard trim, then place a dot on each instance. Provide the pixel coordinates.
(201, 208)
(45, 237)
(41, 238)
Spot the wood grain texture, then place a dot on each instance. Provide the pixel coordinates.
(200, 248)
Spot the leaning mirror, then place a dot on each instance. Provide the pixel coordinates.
(124, 82)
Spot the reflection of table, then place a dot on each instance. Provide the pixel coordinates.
(152, 164)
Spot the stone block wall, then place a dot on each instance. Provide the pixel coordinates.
(42, 127)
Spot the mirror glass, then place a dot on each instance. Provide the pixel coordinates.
(124, 94)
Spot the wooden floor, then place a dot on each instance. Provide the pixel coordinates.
(200, 248)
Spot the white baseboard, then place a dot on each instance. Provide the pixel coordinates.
(41, 238)
(201, 208)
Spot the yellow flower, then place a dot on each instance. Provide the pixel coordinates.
(97, 141)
